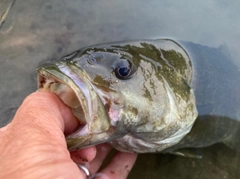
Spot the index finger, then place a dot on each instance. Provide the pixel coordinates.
(49, 106)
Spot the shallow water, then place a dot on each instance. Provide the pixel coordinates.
(38, 31)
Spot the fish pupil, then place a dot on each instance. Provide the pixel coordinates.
(124, 71)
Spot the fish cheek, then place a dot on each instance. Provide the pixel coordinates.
(101, 82)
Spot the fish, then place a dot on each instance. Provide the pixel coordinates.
(135, 95)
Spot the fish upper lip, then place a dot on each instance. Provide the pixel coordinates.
(94, 112)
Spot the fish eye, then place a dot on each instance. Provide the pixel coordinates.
(124, 70)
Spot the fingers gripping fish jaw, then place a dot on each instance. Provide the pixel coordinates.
(85, 103)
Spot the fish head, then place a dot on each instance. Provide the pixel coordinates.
(134, 95)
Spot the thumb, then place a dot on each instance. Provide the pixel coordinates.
(46, 108)
(42, 114)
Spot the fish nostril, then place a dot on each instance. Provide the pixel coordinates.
(91, 61)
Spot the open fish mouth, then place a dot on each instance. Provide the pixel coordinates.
(72, 85)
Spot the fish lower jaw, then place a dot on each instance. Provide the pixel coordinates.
(81, 131)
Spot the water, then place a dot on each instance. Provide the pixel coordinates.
(38, 31)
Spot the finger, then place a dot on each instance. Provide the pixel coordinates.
(49, 107)
(119, 167)
(3, 129)
(102, 152)
(70, 122)
(84, 155)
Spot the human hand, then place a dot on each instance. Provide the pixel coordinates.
(33, 145)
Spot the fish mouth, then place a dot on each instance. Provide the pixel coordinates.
(75, 89)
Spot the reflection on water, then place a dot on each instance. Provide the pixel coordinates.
(36, 31)
(218, 162)
(6, 12)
